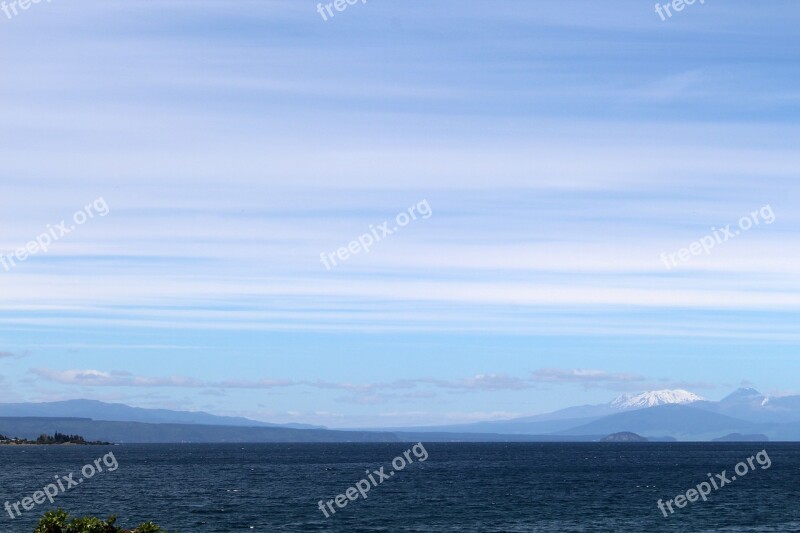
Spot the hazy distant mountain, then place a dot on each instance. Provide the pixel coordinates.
(658, 415)
(744, 396)
(516, 426)
(123, 413)
(738, 437)
(138, 432)
(749, 404)
(680, 421)
(570, 417)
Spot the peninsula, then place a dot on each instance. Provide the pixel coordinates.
(56, 438)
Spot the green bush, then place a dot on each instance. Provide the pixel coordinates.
(59, 522)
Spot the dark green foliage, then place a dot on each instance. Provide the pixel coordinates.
(57, 438)
(60, 438)
(149, 527)
(59, 522)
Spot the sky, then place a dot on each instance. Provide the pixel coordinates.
(522, 177)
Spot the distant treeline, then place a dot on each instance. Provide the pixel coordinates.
(56, 438)
(60, 438)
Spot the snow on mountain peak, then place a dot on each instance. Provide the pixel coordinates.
(653, 398)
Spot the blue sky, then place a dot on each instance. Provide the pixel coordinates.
(562, 148)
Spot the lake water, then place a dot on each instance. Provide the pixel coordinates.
(460, 487)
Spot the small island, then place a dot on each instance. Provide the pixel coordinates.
(625, 436)
(56, 438)
(738, 437)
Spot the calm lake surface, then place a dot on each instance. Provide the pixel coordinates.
(460, 487)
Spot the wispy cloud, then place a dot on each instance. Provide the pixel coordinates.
(484, 382)
(378, 392)
(383, 398)
(99, 378)
(588, 377)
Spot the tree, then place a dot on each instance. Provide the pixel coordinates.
(59, 522)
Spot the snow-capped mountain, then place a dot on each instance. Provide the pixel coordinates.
(653, 398)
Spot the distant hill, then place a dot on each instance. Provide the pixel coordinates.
(139, 432)
(118, 412)
(143, 433)
(516, 426)
(738, 437)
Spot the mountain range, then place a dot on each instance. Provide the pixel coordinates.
(664, 414)
(117, 412)
(680, 415)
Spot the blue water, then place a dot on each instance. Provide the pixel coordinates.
(460, 487)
